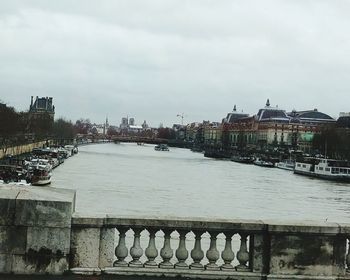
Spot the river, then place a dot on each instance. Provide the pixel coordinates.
(131, 180)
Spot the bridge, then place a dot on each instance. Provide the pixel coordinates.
(84, 139)
(42, 235)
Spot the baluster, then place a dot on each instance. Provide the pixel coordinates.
(227, 254)
(181, 252)
(151, 251)
(243, 255)
(348, 257)
(213, 253)
(136, 251)
(121, 251)
(166, 252)
(197, 253)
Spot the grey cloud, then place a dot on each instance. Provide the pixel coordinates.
(155, 59)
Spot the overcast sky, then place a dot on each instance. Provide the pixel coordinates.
(152, 60)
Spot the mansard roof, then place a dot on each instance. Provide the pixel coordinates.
(272, 114)
(234, 115)
(311, 116)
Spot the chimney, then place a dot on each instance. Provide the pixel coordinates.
(31, 101)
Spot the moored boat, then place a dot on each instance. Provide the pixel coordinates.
(286, 165)
(263, 163)
(161, 147)
(328, 169)
(243, 159)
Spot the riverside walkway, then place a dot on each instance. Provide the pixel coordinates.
(42, 235)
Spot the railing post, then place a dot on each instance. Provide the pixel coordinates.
(136, 251)
(181, 252)
(166, 252)
(107, 237)
(197, 253)
(151, 251)
(121, 251)
(213, 253)
(227, 254)
(243, 255)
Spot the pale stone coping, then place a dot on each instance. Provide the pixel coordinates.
(301, 277)
(185, 273)
(272, 226)
(307, 227)
(46, 193)
(79, 220)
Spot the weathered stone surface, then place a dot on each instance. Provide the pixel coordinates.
(5, 263)
(344, 228)
(8, 196)
(35, 229)
(301, 255)
(39, 262)
(185, 273)
(259, 248)
(48, 207)
(81, 220)
(107, 247)
(85, 247)
(190, 223)
(308, 227)
(13, 239)
(55, 239)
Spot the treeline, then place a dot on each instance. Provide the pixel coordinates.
(333, 142)
(22, 127)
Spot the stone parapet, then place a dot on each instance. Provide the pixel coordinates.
(209, 249)
(35, 229)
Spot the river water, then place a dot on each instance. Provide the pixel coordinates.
(131, 180)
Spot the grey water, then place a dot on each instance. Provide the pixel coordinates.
(131, 180)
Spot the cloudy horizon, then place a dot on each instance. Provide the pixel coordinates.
(155, 59)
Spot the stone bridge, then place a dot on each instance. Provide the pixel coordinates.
(41, 234)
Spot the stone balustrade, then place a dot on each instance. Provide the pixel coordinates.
(209, 249)
(40, 234)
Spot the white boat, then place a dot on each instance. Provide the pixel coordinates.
(328, 169)
(286, 164)
(263, 163)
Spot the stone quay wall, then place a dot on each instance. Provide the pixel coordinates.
(21, 149)
(41, 234)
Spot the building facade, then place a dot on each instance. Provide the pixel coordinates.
(41, 106)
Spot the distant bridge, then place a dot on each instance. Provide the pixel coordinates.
(121, 139)
(139, 139)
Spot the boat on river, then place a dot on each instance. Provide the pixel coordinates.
(243, 159)
(286, 165)
(263, 163)
(329, 169)
(161, 147)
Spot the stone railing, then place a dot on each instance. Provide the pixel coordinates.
(208, 249)
(41, 234)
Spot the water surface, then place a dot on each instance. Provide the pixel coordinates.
(127, 179)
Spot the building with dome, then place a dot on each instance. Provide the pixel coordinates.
(274, 126)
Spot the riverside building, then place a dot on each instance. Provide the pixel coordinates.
(271, 126)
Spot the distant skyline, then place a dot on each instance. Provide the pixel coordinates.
(155, 59)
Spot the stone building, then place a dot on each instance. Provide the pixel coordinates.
(273, 126)
(41, 106)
